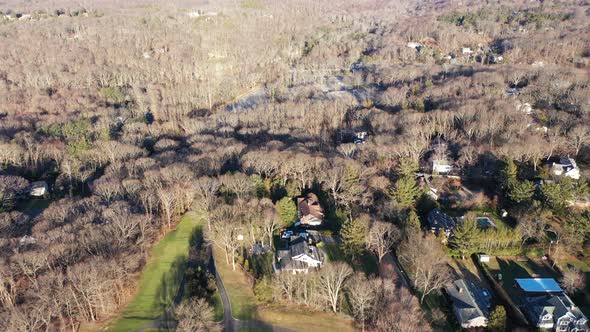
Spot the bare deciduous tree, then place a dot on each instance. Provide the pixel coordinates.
(573, 280)
(195, 315)
(206, 189)
(362, 293)
(332, 280)
(425, 261)
(382, 236)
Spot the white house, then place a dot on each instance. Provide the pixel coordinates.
(308, 260)
(441, 166)
(38, 189)
(548, 307)
(466, 50)
(566, 167)
(300, 257)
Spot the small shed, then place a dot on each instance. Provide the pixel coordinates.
(484, 258)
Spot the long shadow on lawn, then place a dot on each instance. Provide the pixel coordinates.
(169, 289)
(196, 239)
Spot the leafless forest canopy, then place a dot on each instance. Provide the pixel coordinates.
(135, 112)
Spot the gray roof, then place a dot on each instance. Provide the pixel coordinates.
(297, 245)
(468, 301)
(439, 220)
(558, 305)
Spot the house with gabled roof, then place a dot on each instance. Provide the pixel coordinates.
(548, 307)
(301, 256)
(441, 166)
(441, 222)
(309, 210)
(470, 306)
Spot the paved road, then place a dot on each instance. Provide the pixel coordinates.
(230, 324)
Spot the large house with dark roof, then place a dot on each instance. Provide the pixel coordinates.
(548, 307)
(439, 221)
(470, 305)
(301, 256)
(310, 211)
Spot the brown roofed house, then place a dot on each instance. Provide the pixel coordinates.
(310, 211)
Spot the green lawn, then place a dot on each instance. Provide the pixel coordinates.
(217, 306)
(238, 287)
(333, 252)
(366, 262)
(160, 278)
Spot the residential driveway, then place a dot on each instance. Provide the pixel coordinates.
(391, 269)
(326, 239)
(230, 324)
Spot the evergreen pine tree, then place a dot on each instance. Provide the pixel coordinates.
(405, 192)
(464, 236)
(412, 221)
(497, 321)
(353, 233)
(407, 167)
(509, 173)
(287, 210)
(522, 191)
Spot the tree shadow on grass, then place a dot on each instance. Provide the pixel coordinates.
(369, 263)
(511, 270)
(196, 239)
(333, 252)
(169, 292)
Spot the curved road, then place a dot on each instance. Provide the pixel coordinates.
(230, 324)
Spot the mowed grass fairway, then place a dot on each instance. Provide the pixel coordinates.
(160, 278)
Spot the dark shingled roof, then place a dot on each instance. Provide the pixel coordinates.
(467, 301)
(297, 246)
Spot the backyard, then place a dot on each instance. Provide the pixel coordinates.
(582, 298)
(367, 262)
(518, 267)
